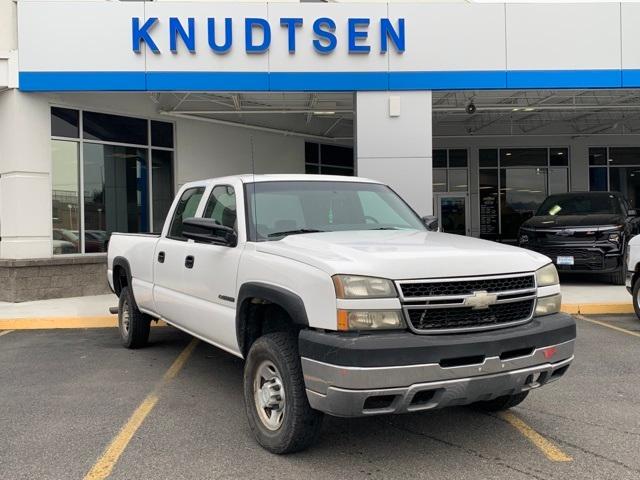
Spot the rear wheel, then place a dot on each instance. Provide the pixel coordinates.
(501, 403)
(134, 326)
(636, 297)
(275, 398)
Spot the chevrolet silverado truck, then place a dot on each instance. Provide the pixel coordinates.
(342, 302)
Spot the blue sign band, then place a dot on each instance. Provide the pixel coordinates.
(324, 81)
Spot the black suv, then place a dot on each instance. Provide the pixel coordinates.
(583, 232)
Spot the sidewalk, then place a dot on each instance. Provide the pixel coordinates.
(76, 312)
(595, 298)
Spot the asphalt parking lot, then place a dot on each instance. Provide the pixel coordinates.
(65, 394)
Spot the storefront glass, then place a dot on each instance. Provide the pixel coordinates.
(65, 197)
(616, 169)
(123, 187)
(523, 177)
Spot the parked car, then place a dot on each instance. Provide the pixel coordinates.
(341, 301)
(583, 232)
(633, 273)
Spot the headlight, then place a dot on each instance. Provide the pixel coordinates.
(353, 286)
(547, 275)
(548, 305)
(370, 320)
(614, 237)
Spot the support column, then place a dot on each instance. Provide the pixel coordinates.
(25, 176)
(394, 143)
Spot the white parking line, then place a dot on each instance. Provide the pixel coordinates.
(608, 325)
(5, 332)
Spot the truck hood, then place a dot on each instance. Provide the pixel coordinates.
(566, 221)
(403, 254)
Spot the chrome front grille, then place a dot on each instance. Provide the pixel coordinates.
(466, 304)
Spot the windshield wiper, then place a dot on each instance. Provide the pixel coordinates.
(294, 232)
(383, 228)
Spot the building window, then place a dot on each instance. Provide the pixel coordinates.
(328, 159)
(512, 184)
(450, 173)
(109, 173)
(616, 169)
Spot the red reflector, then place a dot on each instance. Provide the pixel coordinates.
(549, 352)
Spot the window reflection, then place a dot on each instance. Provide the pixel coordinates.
(116, 195)
(65, 200)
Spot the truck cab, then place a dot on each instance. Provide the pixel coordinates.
(342, 302)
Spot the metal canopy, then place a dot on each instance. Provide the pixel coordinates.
(329, 116)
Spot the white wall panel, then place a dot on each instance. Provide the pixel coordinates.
(563, 36)
(630, 35)
(78, 36)
(450, 37)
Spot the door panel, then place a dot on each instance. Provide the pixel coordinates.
(212, 278)
(169, 256)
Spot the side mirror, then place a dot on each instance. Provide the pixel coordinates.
(431, 222)
(632, 212)
(207, 230)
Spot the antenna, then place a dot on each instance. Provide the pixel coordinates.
(253, 185)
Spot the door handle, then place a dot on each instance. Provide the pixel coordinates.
(188, 262)
(161, 257)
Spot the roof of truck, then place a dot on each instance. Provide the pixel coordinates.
(250, 178)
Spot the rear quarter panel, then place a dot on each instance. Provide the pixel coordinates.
(139, 251)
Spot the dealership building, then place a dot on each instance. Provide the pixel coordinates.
(473, 112)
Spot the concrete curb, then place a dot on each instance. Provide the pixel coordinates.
(46, 323)
(597, 308)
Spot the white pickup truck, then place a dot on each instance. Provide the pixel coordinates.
(342, 301)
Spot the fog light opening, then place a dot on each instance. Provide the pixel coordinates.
(379, 402)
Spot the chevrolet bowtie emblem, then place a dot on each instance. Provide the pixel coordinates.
(481, 300)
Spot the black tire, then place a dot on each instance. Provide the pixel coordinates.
(136, 333)
(618, 277)
(300, 424)
(501, 403)
(636, 296)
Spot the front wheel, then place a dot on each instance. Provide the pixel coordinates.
(134, 326)
(275, 398)
(618, 277)
(501, 403)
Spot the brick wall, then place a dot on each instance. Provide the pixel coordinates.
(59, 277)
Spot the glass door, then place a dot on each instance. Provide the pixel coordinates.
(452, 210)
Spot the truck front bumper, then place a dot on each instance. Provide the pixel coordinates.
(352, 375)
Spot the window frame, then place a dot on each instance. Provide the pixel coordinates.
(80, 140)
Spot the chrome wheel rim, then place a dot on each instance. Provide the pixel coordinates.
(269, 395)
(125, 323)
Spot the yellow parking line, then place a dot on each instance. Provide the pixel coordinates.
(551, 451)
(103, 467)
(605, 324)
(4, 332)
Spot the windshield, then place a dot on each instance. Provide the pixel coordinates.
(580, 204)
(277, 209)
